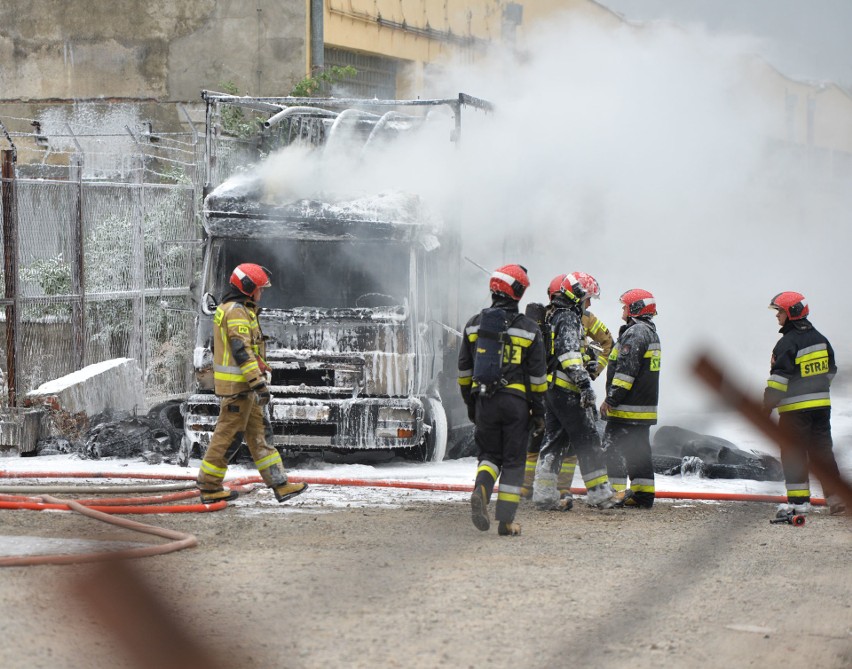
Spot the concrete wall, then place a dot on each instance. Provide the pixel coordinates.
(161, 49)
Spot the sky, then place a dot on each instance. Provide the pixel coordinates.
(805, 39)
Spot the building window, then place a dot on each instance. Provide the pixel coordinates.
(376, 76)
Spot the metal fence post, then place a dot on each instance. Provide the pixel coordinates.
(78, 283)
(10, 271)
(137, 264)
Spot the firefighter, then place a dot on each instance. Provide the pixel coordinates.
(570, 401)
(594, 330)
(239, 372)
(630, 407)
(502, 377)
(800, 375)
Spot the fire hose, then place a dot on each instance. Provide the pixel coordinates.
(105, 509)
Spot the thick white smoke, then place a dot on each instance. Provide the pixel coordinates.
(641, 156)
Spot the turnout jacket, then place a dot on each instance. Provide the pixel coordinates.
(599, 333)
(565, 364)
(238, 346)
(801, 369)
(524, 372)
(633, 375)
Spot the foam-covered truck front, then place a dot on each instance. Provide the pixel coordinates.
(352, 320)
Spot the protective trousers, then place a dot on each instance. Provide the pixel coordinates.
(502, 431)
(567, 424)
(240, 417)
(628, 454)
(812, 431)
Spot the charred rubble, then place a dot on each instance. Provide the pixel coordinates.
(155, 437)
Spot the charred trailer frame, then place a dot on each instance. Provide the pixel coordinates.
(361, 359)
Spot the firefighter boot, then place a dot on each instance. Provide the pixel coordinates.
(223, 495)
(288, 490)
(601, 496)
(545, 494)
(563, 483)
(508, 528)
(529, 475)
(479, 508)
(634, 500)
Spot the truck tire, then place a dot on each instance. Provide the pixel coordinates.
(434, 445)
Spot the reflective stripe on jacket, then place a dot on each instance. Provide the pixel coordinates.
(595, 330)
(633, 375)
(523, 359)
(567, 351)
(237, 346)
(802, 368)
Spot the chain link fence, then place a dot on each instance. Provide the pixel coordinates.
(101, 242)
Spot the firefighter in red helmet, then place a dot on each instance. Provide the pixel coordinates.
(630, 407)
(239, 374)
(502, 377)
(800, 375)
(595, 361)
(570, 421)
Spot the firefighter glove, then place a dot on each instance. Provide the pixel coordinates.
(537, 425)
(592, 368)
(261, 393)
(587, 397)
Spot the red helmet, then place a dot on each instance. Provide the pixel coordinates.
(587, 281)
(639, 302)
(509, 280)
(248, 277)
(793, 304)
(572, 287)
(555, 286)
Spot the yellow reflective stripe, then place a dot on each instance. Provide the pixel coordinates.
(518, 386)
(622, 384)
(488, 467)
(799, 493)
(249, 366)
(268, 461)
(223, 376)
(642, 488)
(811, 356)
(602, 361)
(521, 341)
(508, 496)
(465, 380)
(213, 470)
(807, 404)
(777, 386)
(538, 387)
(472, 337)
(652, 353)
(562, 383)
(596, 481)
(637, 415)
(597, 326)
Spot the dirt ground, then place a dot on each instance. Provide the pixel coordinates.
(682, 585)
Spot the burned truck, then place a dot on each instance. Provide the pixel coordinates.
(360, 317)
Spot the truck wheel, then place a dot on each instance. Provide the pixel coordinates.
(434, 445)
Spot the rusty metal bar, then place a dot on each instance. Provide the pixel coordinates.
(10, 270)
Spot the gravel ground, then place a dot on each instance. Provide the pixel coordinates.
(683, 585)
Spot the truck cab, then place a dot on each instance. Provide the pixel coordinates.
(359, 321)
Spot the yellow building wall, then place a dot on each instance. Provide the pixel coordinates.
(422, 33)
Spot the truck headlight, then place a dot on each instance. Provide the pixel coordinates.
(396, 423)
